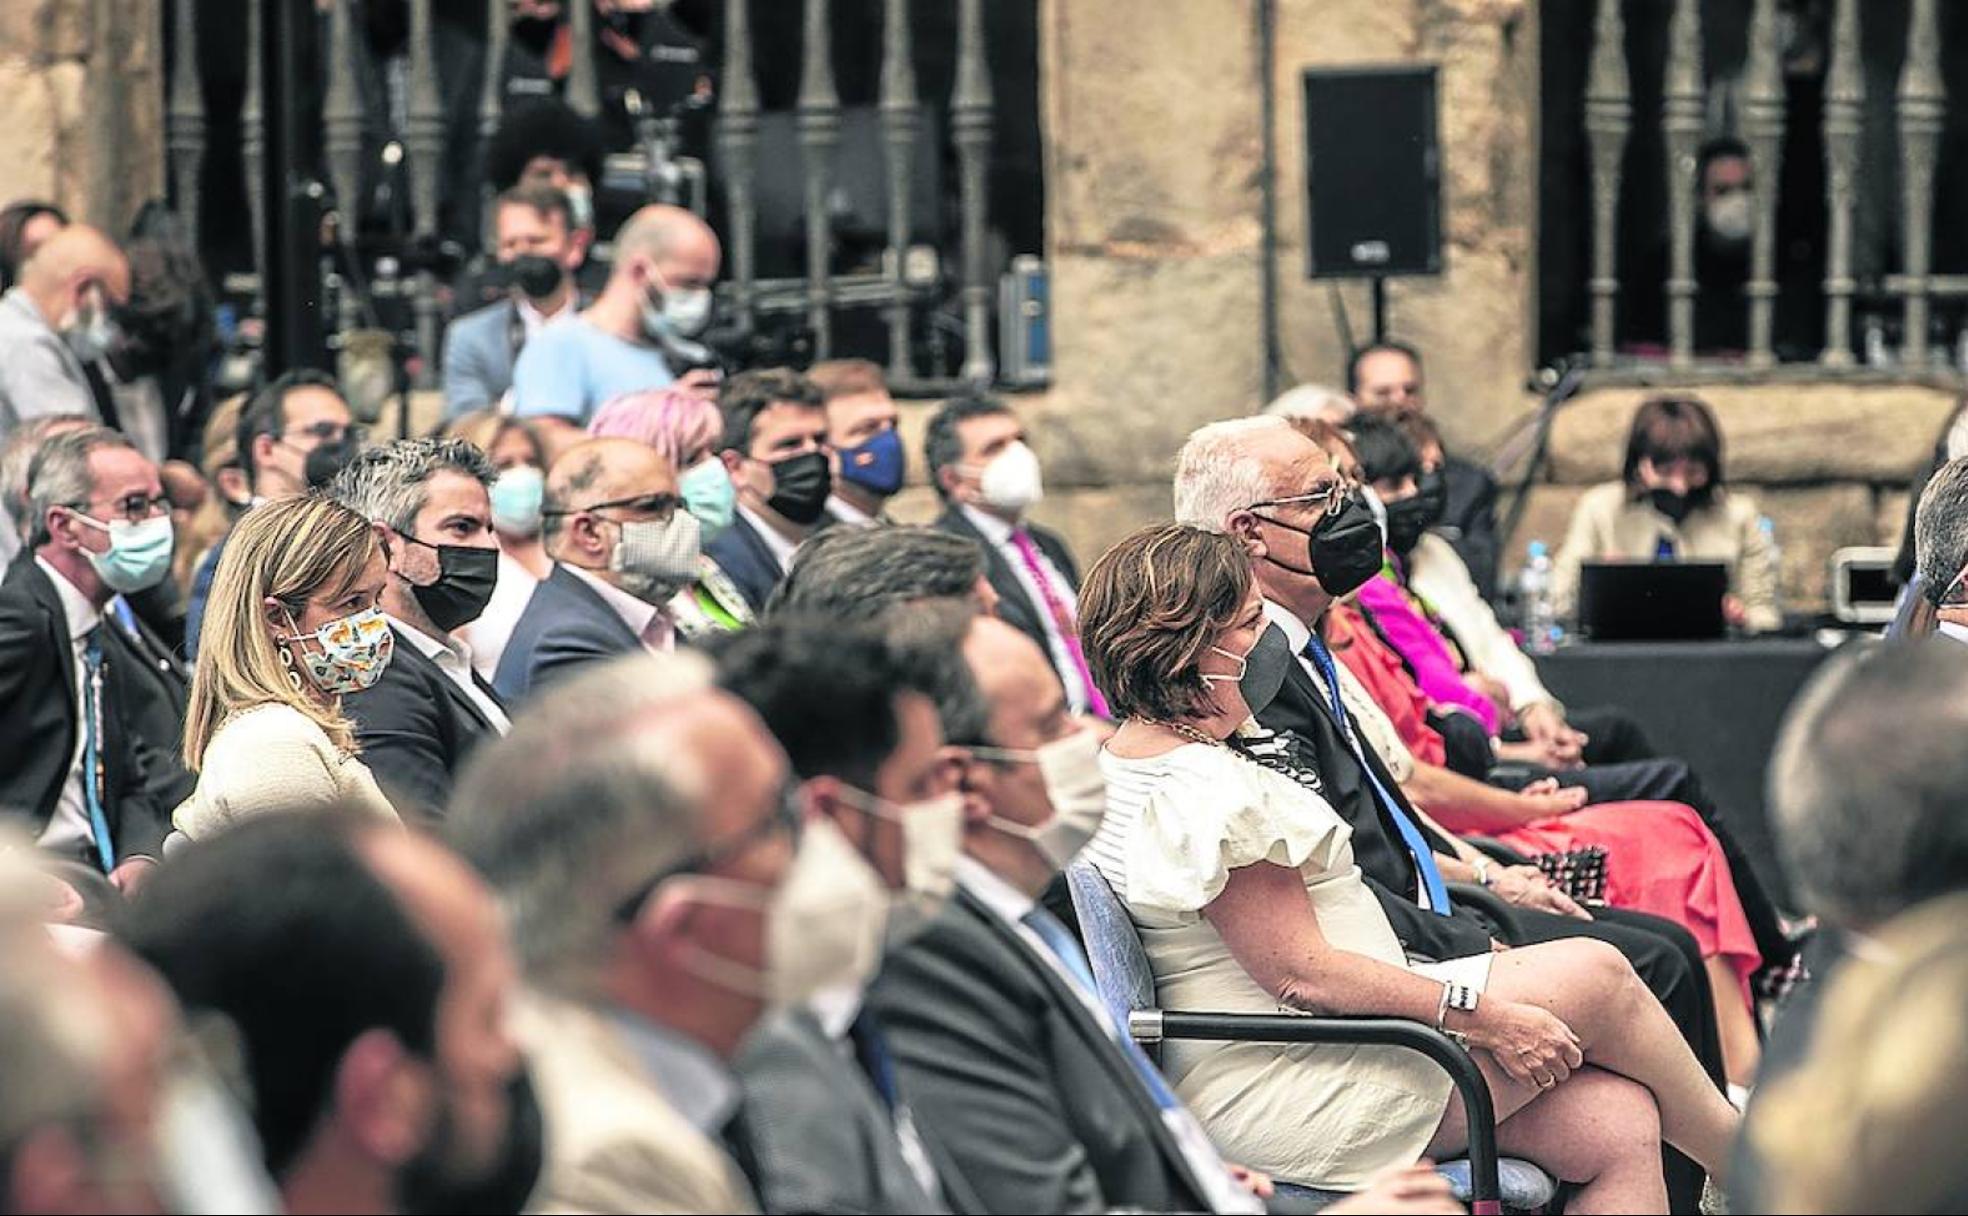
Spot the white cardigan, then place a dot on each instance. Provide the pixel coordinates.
(273, 759)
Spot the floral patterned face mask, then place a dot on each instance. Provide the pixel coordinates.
(354, 651)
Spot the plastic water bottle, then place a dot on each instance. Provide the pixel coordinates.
(1540, 614)
(1773, 556)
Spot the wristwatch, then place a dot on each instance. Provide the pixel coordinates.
(1482, 868)
(1455, 996)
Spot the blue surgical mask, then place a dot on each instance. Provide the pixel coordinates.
(516, 499)
(709, 495)
(878, 465)
(139, 553)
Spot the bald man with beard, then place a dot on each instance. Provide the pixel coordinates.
(622, 546)
(56, 322)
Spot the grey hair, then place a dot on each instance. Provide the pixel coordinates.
(578, 806)
(1313, 401)
(58, 476)
(1221, 470)
(1868, 777)
(1940, 529)
(17, 454)
(857, 574)
(390, 484)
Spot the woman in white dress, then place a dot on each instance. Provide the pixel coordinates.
(292, 624)
(1243, 885)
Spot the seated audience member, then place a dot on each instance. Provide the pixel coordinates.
(16, 455)
(988, 478)
(295, 625)
(861, 428)
(1385, 378)
(545, 142)
(1865, 797)
(294, 434)
(1259, 480)
(635, 824)
(858, 574)
(1245, 882)
(519, 456)
(1314, 402)
(418, 724)
(774, 447)
(1867, 1120)
(830, 1126)
(685, 427)
(366, 972)
(100, 528)
(1952, 444)
(25, 225)
(1672, 504)
(622, 545)
(640, 331)
(225, 477)
(56, 323)
(998, 978)
(538, 249)
(1940, 547)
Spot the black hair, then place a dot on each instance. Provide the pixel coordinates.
(544, 127)
(746, 395)
(1385, 452)
(279, 926)
(941, 445)
(266, 412)
(1374, 348)
(825, 690)
(856, 574)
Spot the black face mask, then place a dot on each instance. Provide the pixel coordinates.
(1265, 668)
(1407, 519)
(1434, 494)
(325, 460)
(1668, 503)
(466, 576)
(536, 275)
(800, 486)
(427, 1186)
(1344, 550)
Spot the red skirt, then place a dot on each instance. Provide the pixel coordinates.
(1662, 859)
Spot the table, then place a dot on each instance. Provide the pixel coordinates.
(1716, 705)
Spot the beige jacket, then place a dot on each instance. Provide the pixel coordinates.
(1610, 523)
(614, 1143)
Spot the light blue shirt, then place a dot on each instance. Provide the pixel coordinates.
(572, 369)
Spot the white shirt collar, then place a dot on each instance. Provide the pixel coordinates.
(995, 530)
(1004, 900)
(1296, 632)
(635, 613)
(695, 1082)
(82, 615)
(430, 646)
(847, 513)
(836, 1008)
(782, 549)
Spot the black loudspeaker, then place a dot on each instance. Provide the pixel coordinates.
(1373, 173)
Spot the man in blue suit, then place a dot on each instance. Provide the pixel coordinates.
(776, 451)
(622, 546)
(538, 249)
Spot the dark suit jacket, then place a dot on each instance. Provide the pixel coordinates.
(1015, 607)
(565, 625)
(747, 561)
(821, 1138)
(1039, 1107)
(160, 688)
(40, 715)
(417, 727)
(1469, 520)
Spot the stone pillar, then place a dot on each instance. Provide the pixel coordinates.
(82, 105)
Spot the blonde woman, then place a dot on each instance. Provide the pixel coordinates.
(291, 625)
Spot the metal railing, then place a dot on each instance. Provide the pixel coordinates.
(819, 292)
(1920, 107)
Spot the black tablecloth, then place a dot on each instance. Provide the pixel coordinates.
(1716, 705)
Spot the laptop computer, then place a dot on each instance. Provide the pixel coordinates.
(1648, 601)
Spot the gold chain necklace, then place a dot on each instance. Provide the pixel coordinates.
(1185, 730)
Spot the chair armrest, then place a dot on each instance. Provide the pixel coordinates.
(1154, 1025)
(1497, 850)
(1491, 905)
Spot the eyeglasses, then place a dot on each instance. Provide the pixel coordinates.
(329, 432)
(784, 817)
(662, 506)
(134, 508)
(1327, 496)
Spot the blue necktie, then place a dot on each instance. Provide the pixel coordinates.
(1059, 940)
(871, 1050)
(1424, 857)
(92, 667)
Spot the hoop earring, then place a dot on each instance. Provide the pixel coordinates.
(287, 661)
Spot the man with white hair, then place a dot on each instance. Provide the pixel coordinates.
(1313, 401)
(1311, 541)
(639, 334)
